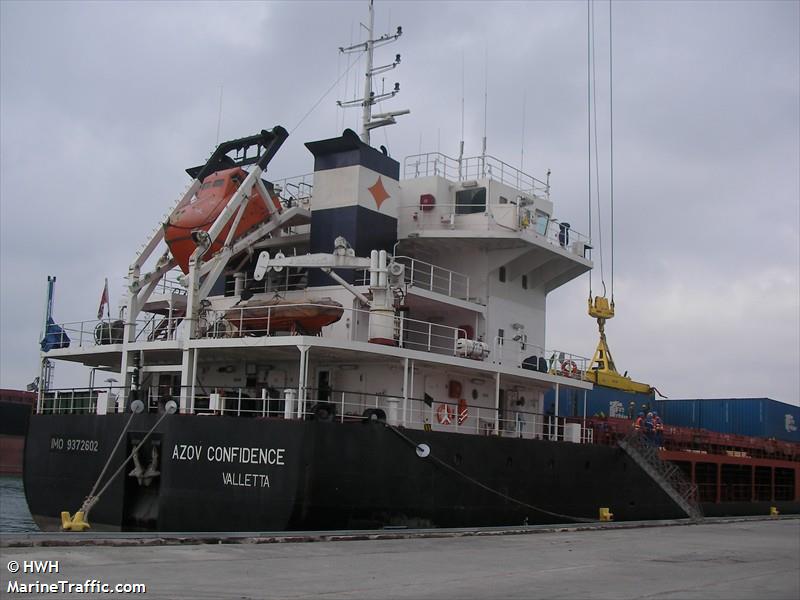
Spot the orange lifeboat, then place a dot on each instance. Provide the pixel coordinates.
(202, 211)
(260, 317)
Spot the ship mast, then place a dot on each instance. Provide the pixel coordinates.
(370, 98)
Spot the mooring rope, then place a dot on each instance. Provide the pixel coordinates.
(92, 498)
(490, 489)
(111, 455)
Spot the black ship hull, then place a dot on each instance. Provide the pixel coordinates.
(298, 475)
(219, 473)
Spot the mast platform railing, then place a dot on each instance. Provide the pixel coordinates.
(473, 167)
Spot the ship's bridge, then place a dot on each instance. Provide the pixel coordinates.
(486, 204)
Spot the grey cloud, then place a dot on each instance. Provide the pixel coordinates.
(103, 105)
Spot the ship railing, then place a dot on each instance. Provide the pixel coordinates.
(103, 332)
(170, 283)
(518, 352)
(557, 233)
(340, 405)
(414, 334)
(471, 168)
(329, 404)
(296, 190)
(509, 216)
(74, 401)
(433, 278)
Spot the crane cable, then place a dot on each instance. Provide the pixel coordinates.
(589, 122)
(611, 143)
(597, 156)
(592, 129)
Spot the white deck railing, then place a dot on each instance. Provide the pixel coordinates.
(518, 353)
(428, 276)
(412, 334)
(474, 167)
(494, 216)
(296, 190)
(339, 405)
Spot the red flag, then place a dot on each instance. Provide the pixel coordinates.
(103, 302)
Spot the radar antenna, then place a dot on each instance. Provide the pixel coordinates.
(370, 98)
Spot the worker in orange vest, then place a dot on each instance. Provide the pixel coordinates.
(639, 422)
(658, 424)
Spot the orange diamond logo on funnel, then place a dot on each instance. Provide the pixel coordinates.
(379, 193)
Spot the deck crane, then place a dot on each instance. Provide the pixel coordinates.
(602, 370)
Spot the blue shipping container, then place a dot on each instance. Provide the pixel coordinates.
(608, 401)
(759, 417)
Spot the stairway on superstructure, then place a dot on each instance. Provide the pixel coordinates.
(669, 477)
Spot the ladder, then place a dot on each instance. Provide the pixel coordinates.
(669, 477)
(165, 330)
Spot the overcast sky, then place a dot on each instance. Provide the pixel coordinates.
(102, 106)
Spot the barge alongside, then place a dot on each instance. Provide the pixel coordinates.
(348, 349)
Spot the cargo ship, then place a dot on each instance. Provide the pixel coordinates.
(352, 348)
(15, 410)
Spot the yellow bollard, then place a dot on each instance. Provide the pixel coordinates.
(606, 514)
(773, 511)
(76, 523)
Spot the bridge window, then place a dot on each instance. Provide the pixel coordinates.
(541, 222)
(524, 282)
(471, 201)
(502, 274)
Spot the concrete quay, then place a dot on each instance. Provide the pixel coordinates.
(716, 559)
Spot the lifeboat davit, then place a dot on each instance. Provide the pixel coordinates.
(205, 207)
(260, 317)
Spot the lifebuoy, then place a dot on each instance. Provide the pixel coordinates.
(463, 411)
(445, 414)
(569, 368)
